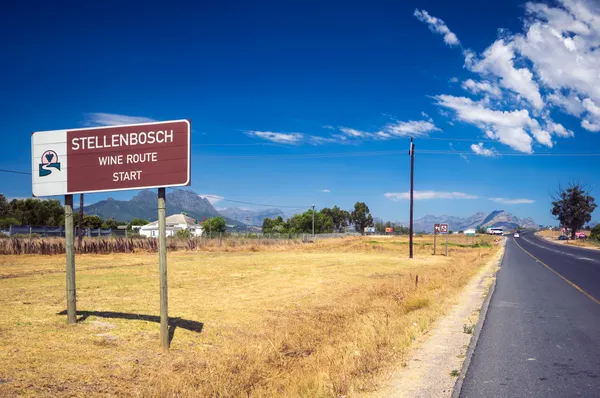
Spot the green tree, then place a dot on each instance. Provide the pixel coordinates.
(111, 223)
(361, 217)
(379, 227)
(573, 206)
(302, 223)
(92, 221)
(32, 211)
(275, 225)
(339, 218)
(4, 207)
(137, 222)
(6, 222)
(402, 230)
(214, 225)
(595, 234)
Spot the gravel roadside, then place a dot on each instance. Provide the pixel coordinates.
(437, 361)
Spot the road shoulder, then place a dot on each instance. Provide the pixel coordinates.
(431, 371)
(566, 243)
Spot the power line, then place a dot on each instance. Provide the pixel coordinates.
(250, 203)
(253, 144)
(385, 153)
(420, 138)
(14, 172)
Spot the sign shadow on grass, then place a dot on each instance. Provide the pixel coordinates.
(192, 326)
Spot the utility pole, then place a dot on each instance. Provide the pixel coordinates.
(313, 224)
(411, 152)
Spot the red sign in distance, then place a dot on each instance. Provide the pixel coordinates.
(148, 155)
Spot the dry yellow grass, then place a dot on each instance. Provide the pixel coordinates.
(553, 235)
(321, 319)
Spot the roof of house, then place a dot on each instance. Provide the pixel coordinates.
(175, 219)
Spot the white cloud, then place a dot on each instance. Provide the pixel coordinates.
(410, 128)
(551, 65)
(569, 103)
(318, 140)
(478, 149)
(280, 138)
(590, 126)
(562, 45)
(211, 198)
(391, 130)
(498, 60)
(324, 190)
(111, 119)
(591, 107)
(353, 132)
(438, 26)
(512, 201)
(425, 195)
(558, 129)
(424, 114)
(453, 79)
(508, 127)
(481, 87)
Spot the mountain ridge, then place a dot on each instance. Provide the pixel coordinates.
(251, 217)
(496, 218)
(144, 205)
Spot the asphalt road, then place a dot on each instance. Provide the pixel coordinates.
(541, 336)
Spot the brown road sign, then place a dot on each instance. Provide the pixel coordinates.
(440, 228)
(113, 158)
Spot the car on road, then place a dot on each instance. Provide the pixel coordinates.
(563, 237)
(516, 235)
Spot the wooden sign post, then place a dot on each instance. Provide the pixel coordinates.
(162, 265)
(70, 250)
(436, 230)
(440, 229)
(446, 245)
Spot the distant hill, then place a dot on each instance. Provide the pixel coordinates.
(251, 217)
(144, 205)
(497, 218)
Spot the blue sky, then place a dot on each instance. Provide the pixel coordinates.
(277, 91)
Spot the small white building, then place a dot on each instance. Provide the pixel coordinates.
(174, 223)
(470, 232)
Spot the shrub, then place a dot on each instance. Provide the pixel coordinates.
(3, 236)
(595, 234)
(183, 234)
(26, 236)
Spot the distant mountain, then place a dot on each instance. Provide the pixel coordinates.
(497, 218)
(251, 217)
(144, 205)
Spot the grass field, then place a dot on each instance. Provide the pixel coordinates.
(553, 235)
(321, 319)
